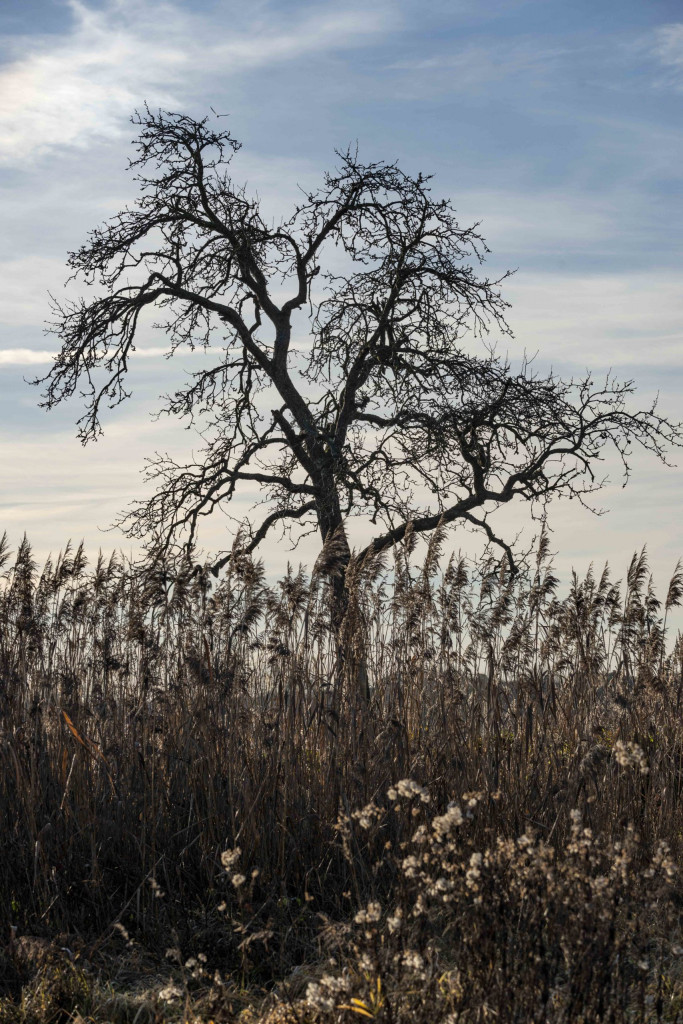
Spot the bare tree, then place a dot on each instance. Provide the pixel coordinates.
(356, 391)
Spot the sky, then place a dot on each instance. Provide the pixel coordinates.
(555, 124)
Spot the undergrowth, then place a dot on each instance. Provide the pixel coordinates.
(462, 802)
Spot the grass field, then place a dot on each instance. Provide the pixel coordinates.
(461, 804)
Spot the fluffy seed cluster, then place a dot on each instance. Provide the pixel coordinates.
(230, 857)
(408, 789)
(564, 905)
(368, 815)
(326, 993)
(631, 755)
(371, 914)
(444, 823)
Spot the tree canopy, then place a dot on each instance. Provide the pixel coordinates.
(351, 374)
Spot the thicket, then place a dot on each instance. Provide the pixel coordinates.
(465, 806)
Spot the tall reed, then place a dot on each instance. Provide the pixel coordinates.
(151, 720)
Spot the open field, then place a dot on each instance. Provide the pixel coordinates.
(465, 806)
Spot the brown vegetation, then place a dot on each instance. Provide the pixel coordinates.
(474, 813)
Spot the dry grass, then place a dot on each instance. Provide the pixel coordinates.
(150, 723)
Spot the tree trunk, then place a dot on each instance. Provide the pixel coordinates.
(350, 644)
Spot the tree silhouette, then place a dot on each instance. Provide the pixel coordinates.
(355, 390)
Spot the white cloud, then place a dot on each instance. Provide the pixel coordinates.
(476, 66)
(601, 321)
(55, 489)
(477, 62)
(668, 49)
(546, 221)
(67, 90)
(669, 44)
(34, 356)
(24, 356)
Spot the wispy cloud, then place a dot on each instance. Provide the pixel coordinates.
(482, 63)
(36, 356)
(602, 321)
(24, 357)
(668, 49)
(73, 88)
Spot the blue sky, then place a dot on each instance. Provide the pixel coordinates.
(556, 124)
